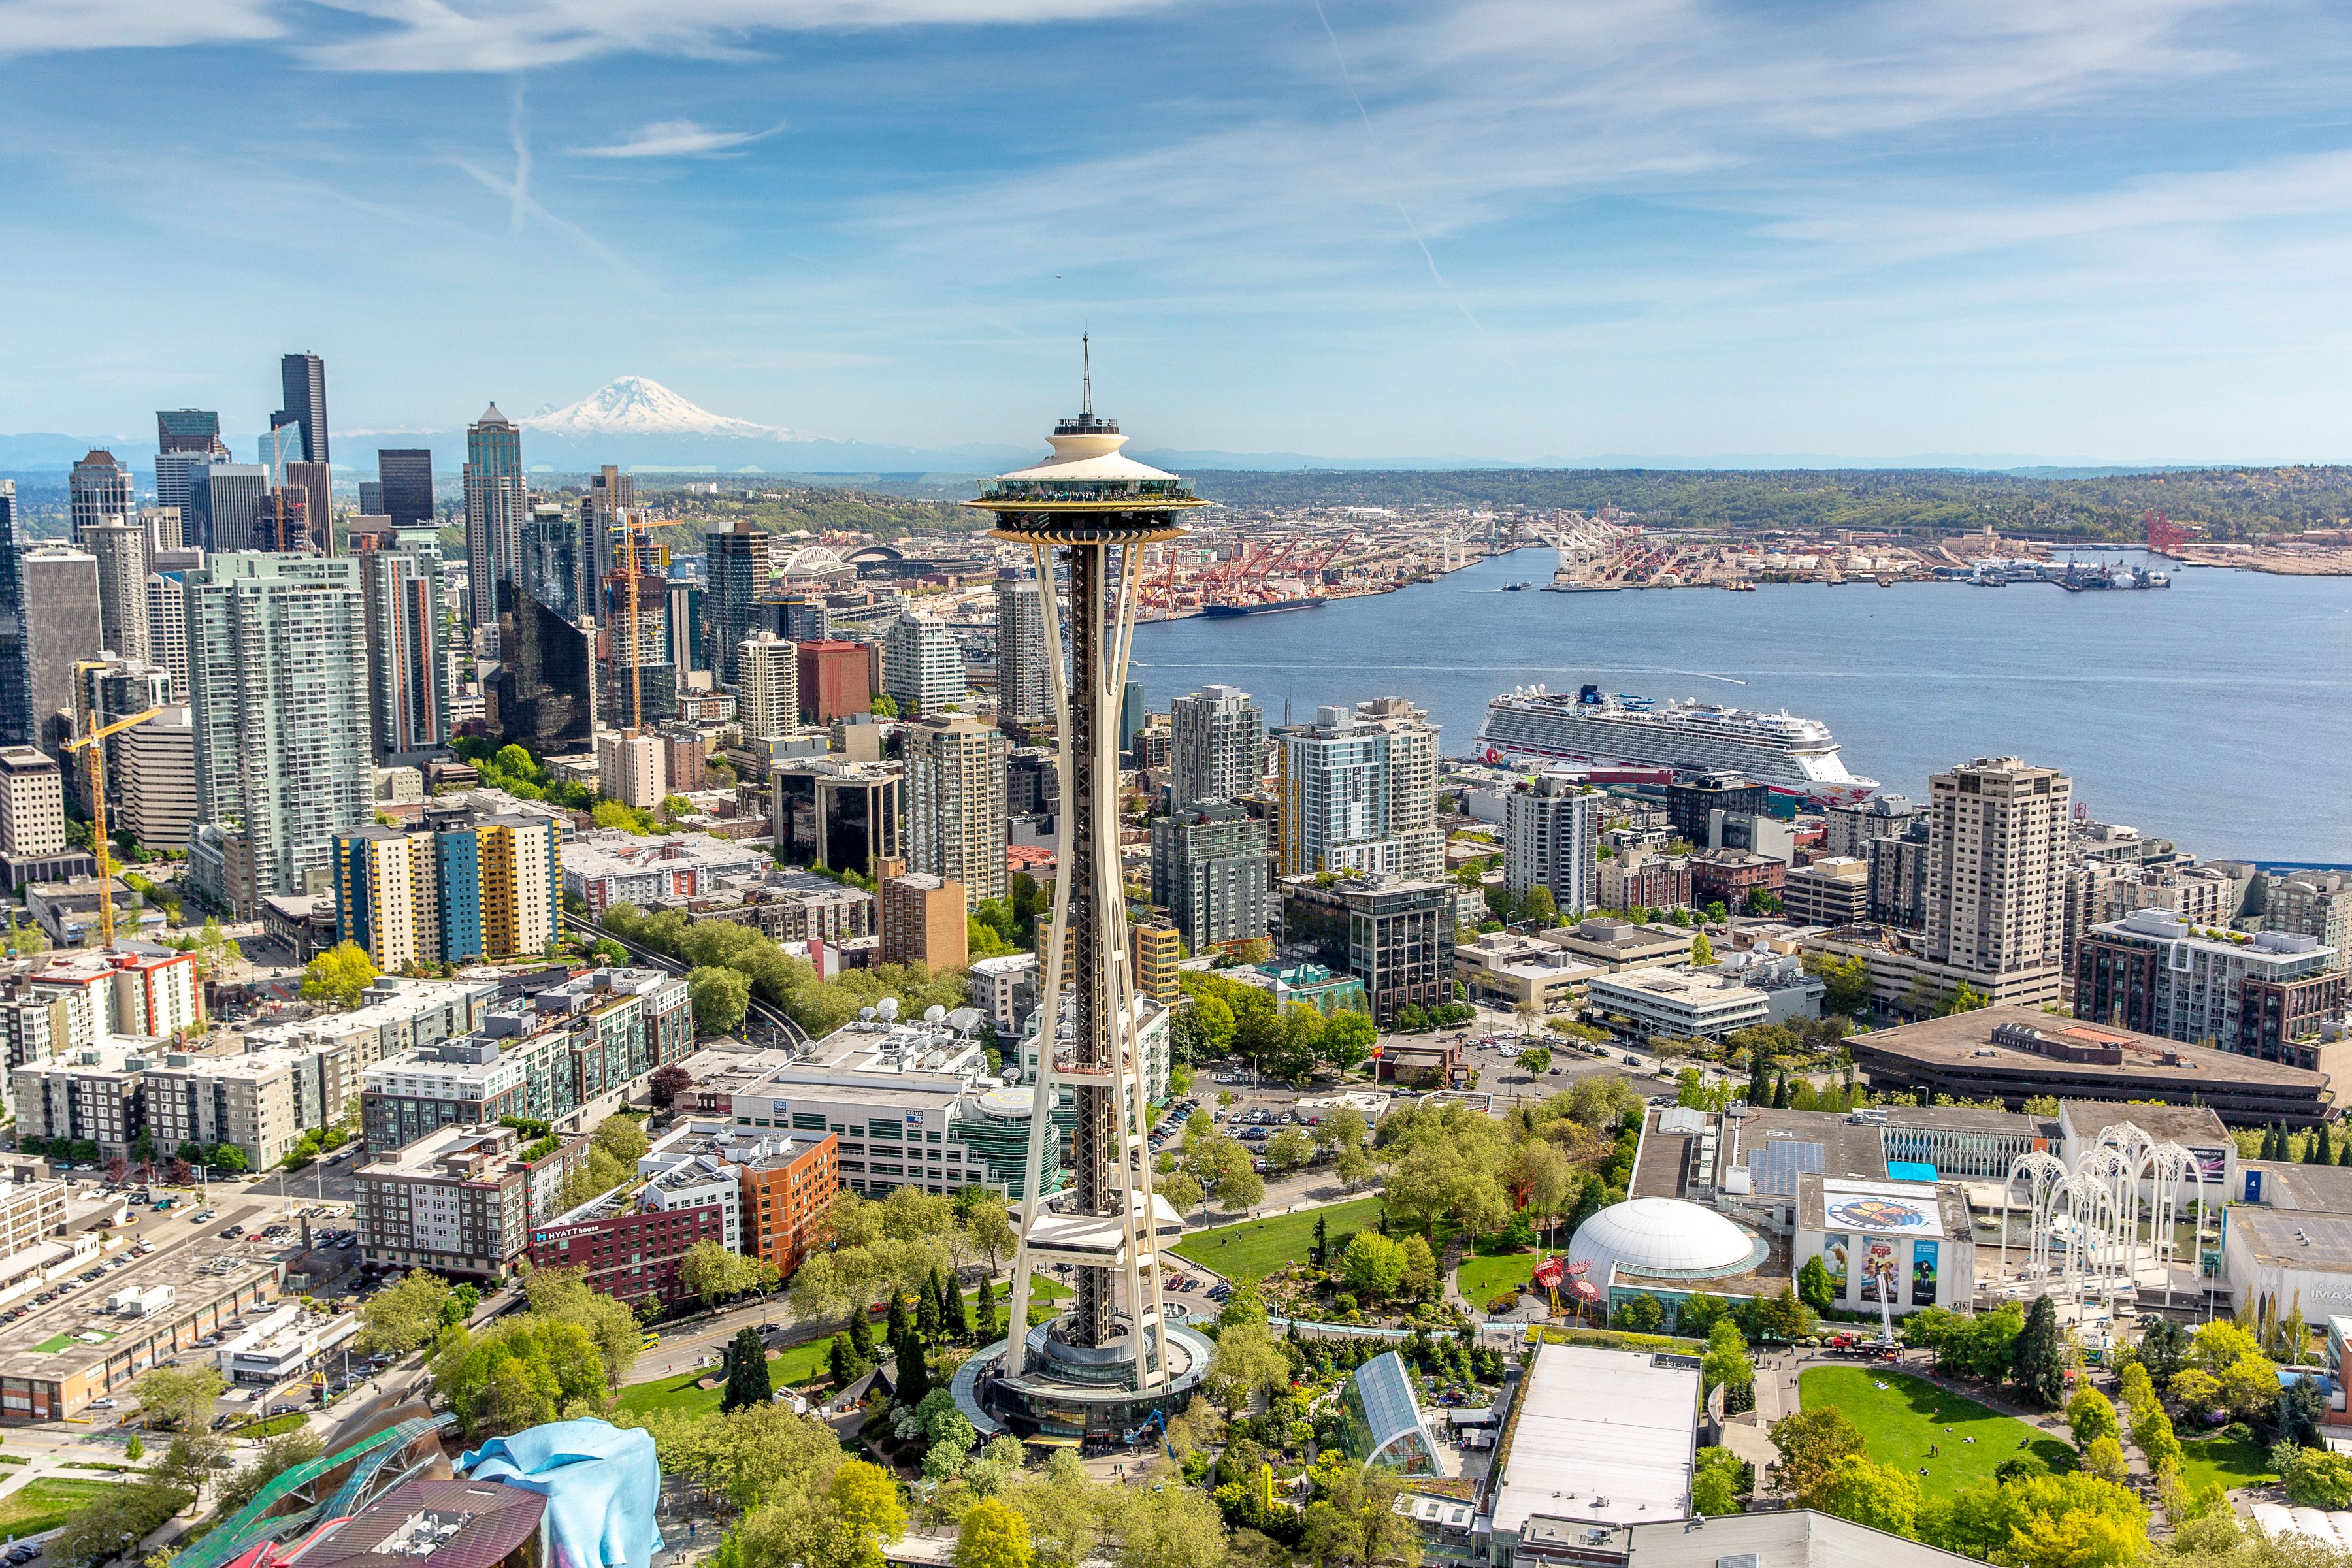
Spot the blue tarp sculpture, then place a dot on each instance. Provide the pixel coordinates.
(602, 1483)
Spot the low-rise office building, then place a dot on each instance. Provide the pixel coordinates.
(1833, 891)
(1394, 934)
(2015, 1054)
(1616, 945)
(611, 867)
(285, 1342)
(462, 1201)
(1504, 968)
(1679, 1002)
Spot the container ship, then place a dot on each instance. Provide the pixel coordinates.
(1264, 606)
(1789, 755)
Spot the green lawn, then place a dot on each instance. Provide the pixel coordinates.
(786, 1368)
(2224, 1462)
(1902, 1421)
(1481, 1279)
(1040, 1288)
(46, 1503)
(1256, 1248)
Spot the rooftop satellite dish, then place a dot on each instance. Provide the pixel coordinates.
(887, 1009)
(965, 1018)
(935, 1013)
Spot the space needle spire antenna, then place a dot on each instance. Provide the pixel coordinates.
(1113, 1356)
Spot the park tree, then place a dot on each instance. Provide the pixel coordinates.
(1371, 1265)
(2038, 1362)
(1858, 1488)
(720, 997)
(178, 1398)
(1535, 1061)
(1814, 1286)
(992, 1535)
(1289, 1150)
(1718, 1479)
(340, 975)
(1247, 1358)
(1348, 1038)
(1702, 951)
(913, 1374)
(404, 1317)
(747, 1371)
(1167, 1527)
(2073, 1521)
(2091, 1416)
(1811, 1443)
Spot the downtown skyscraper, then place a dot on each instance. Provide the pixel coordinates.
(304, 377)
(15, 672)
(495, 506)
(404, 481)
(98, 487)
(738, 570)
(1218, 748)
(1025, 675)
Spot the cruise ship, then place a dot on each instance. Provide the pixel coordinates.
(1788, 754)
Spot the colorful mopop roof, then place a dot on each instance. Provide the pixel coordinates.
(601, 1481)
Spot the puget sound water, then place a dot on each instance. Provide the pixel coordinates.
(2215, 712)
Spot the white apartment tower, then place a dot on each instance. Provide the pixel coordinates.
(1025, 680)
(1997, 835)
(1412, 784)
(955, 804)
(32, 804)
(766, 686)
(121, 545)
(1333, 783)
(1552, 839)
(632, 767)
(1216, 748)
(922, 668)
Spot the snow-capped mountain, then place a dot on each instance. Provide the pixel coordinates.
(632, 405)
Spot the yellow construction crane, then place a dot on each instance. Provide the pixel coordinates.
(94, 767)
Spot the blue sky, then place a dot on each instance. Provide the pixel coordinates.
(1550, 230)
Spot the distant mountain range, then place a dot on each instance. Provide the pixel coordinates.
(640, 424)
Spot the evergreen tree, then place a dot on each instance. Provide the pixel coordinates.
(947, 1300)
(1780, 1092)
(894, 1328)
(861, 1333)
(2038, 1360)
(1759, 1066)
(747, 1372)
(1320, 1253)
(841, 1361)
(2327, 1155)
(926, 1310)
(984, 1311)
(957, 1315)
(2344, 1152)
(914, 1376)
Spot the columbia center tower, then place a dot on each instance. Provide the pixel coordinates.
(1119, 1353)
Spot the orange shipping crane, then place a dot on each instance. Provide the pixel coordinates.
(94, 764)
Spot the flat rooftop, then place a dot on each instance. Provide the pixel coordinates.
(2328, 1188)
(1966, 1040)
(2294, 1238)
(1600, 1435)
(2184, 1124)
(45, 1344)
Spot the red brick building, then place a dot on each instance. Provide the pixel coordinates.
(836, 679)
(1727, 876)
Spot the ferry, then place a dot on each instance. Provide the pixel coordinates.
(1788, 754)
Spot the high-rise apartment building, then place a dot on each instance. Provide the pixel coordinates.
(120, 545)
(32, 805)
(1997, 831)
(1412, 783)
(16, 696)
(1552, 839)
(1024, 677)
(61, 630)
(955, 804)
(167, 627)
(1209, 867)
(495, 506)
(404, 486)
(767, 687)
(687, 598)
(1850, 829)
(278, 678)
(640, 679)
(922, 667)
(98, 487)
(164, 528)
(922, 920)
(223, 499)
(738, 566)
(408, 672)
(612, 495)
(2316, 904)
(632, 767)
(1217, 750)
(457, 888)
(1335, 797)
(802, 617)
(304, 377)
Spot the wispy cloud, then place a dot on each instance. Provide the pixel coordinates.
(41, 26)
(521, 205)
(520, 34)
(676, 139)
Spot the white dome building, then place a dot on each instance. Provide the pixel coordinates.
(1665, 1245)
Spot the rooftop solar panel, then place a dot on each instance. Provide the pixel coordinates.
(1777, 1165)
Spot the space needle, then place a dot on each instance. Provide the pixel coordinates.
(1113, 1358)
